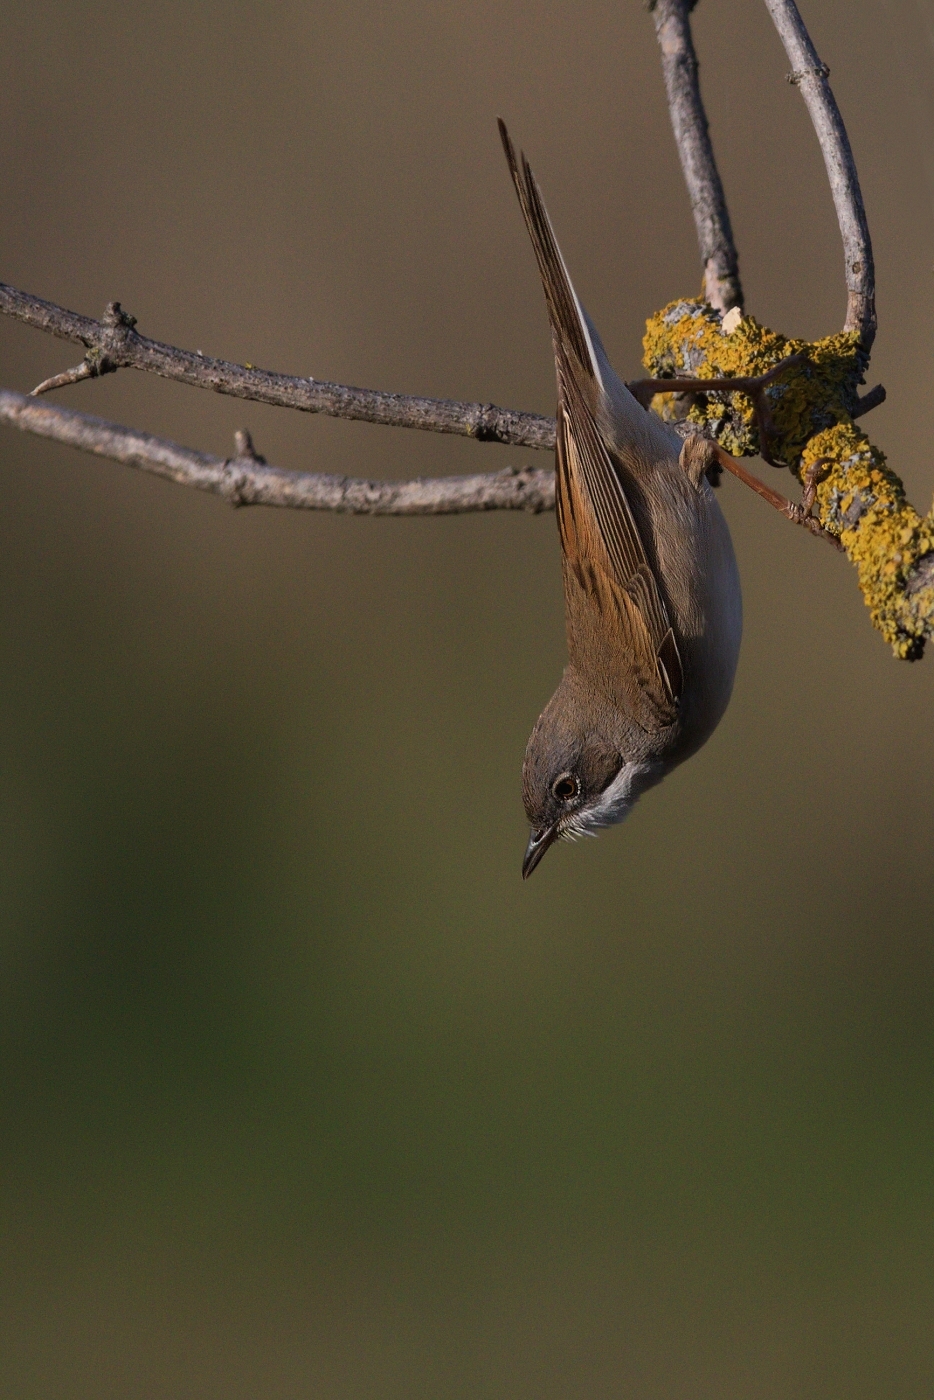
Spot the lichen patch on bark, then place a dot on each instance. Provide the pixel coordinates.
(859, 498)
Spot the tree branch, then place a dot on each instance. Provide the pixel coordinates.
(722, 286)
(246, 479)
(113, 343)
(810, 75)
(850, 494)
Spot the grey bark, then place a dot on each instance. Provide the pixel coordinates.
(692, 137)
(113, 343)
(246, 479)
(810, 75)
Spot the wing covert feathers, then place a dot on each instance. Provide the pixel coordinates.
(599, 533)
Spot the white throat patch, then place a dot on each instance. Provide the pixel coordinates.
(614, 803)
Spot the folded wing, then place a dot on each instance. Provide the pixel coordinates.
(599, 533)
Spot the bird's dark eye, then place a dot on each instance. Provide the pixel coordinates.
(565, 787)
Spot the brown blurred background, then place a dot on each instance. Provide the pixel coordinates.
(304, 1093)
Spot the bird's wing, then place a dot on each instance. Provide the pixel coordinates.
(599, 533)
(605, 554)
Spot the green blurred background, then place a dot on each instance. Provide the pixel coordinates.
(304, 1093)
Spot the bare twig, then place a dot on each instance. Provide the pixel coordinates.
(810, 75)
(679, 64)
(245, 479)
(870, 400)
(68, 376)
(113, 343)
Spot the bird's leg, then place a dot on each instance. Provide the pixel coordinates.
(799, 514)
(698, 460)
(644, 390)
(812, 479)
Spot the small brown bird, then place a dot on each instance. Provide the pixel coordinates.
(652, 597)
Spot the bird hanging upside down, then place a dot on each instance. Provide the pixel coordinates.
(652, 596)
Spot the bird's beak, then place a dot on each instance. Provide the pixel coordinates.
(539, 841)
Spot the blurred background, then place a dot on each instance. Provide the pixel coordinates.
(303, 1092)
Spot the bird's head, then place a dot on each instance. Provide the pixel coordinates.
(577, 777)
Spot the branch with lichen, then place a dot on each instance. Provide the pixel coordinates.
(801, 413)
(814, 401)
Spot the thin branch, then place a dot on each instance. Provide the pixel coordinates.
(113, 343)
(870, 400)
(246, 479)
(67, 376)
(722, 286)
(810, 75)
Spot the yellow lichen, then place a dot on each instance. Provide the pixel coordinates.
(859, 499)
(863, 502)
(686, 339)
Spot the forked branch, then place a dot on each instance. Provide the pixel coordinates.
(857, 498)
(114, 343)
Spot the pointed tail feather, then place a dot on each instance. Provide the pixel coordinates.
(568, 322)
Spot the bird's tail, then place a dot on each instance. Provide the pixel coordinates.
(572, 333)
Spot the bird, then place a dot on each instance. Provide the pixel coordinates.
(653, 607)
